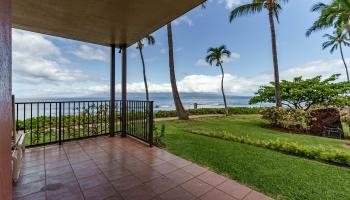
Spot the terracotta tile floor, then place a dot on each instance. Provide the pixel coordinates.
(119, 168)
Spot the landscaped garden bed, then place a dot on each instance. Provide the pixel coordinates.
(279, 175)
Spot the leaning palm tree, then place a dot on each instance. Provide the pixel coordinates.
(216, 55)
(273, 8)
(335, 14)
(150, 40)
(338, 39)
(181, 112)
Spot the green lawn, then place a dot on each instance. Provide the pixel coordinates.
(275, 174)
(255, 128)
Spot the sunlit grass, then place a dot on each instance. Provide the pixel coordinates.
(279, 175)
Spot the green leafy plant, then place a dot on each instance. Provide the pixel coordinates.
(211, 111)
(273, 8)
(292, 119)
(158, 135)
(320, 153)
(217, 55)
(307, 93)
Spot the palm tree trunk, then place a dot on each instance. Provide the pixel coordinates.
(181, 112)
(342, 56)
(222, 89)
(144, 73)
(275, 60)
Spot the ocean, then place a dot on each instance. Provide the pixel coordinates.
(164, 101)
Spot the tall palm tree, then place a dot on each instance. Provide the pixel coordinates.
(335, 14)
(181, 112)
(217, 54)
(273, 8)
(338, 39)
(150, 40)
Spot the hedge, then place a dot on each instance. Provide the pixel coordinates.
(320, 153)
(210, 111)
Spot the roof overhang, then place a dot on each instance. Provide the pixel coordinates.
(103, 22)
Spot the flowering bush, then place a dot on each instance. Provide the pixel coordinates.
(294, 119)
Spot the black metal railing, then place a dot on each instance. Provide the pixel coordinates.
(52, 122)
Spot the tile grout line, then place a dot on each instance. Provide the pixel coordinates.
(101, 171)
(70, 164)
(251, 191)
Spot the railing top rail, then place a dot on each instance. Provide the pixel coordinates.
(84, 101)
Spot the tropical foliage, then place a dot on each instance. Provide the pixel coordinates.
(140, 44)
(273, 7)
(306, 93)
(335, 41)
(336, 15)
(290, 119)
(211, 111)
(217, 55)
(320, 153)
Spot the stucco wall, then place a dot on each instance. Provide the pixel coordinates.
(5, 100)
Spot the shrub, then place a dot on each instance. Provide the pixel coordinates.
(346, 119)
(158, 136)
(320, 153)
(210, 111)
(293, 119)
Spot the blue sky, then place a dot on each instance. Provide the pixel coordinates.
(51, 67)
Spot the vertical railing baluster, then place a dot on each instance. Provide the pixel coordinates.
(83, 120)
(144, 120)
(105, 110)
(24, 118)
(150, 123)
(16, 119)
(31, 123)
(50, 122)
(88, 118)
(131, 113)
(79, 120)
(44, 135)
(60, 124)
(63, 120)
(37, 123)
(74, 127)
(139, 132)
(56, 122)
(101, 121)
(69, 124)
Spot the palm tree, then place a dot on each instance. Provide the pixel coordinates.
(335, 14)
(338, 39)
(217, 54)
(273, 7)
(181, 112)
(150, 40)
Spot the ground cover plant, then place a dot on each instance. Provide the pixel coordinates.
(276, 174)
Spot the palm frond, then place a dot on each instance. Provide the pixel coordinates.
(150, 40)
(318, 7)
(247, 9)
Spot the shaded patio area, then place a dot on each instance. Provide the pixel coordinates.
(119, 168)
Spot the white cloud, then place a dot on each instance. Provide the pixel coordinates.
(88, 53)
(238, 85)
(234, 85)
(202, 62)
(230, 4)
(183, 19)
(37, 60)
